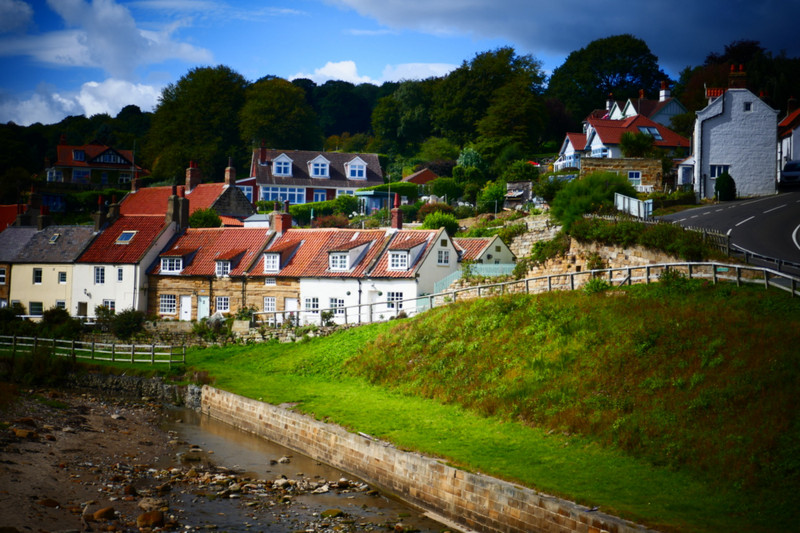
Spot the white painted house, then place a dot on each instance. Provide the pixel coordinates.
(736, 133)
(789, 136)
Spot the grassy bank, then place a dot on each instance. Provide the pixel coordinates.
(673, 405)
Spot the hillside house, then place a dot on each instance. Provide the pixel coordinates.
(12, 241)
(94, 163)
(485, 250)
(300, 176)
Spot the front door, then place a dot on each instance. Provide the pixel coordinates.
(203, 307)
(290, 308)
(186, 307)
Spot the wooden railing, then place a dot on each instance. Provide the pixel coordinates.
(96, 351)
(380, 311)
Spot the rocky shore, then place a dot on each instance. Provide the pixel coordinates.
(78, 462)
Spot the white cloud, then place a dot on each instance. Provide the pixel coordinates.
(48, 106)
(103, 34)
(341, 70)
(14, 15)
(348, 71)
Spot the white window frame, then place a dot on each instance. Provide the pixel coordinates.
(338, 262)
(62, 277)
(247, 190)
(110, 304)
(124, 177)
(270, 282)
(2, 276)
(394, 300)
(167, 304)
(635, 177)
(357, 171)
(223, 269)
(120, 274)
(320, 195)
(715, 171)
(171, 265)
(37, 276)
(443, 258)
(282, 166)
(223, 304)
(398, 260)
(99, 275)
(312, 305)
(345, 192)
(61, 304)
(319, 169)
(272, 262)
(270, 304)
(337, 305)
(40, 306)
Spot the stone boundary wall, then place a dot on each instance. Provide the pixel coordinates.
(472, 501)
(540, 228)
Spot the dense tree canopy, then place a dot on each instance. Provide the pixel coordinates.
(621, 65)
(276, 112)
(197, 119)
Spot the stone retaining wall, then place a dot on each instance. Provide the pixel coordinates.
(540, 228)
(472, 501)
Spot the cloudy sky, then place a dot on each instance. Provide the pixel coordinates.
(70, 57)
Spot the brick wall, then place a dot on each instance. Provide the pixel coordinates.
(478, 502)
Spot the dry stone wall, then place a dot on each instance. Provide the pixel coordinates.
(478, 502)
(540, 228)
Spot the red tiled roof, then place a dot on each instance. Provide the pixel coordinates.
(229, 222)
(65, 156)
(313, 245)
(714, 92)
(472, 247)
(789, 124)
(577, 140)
(610, 131)
(240, 245)
(153, 200)
(421, 177)
(105, 250)
(405, 240)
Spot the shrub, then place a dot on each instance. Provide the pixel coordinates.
(205, 218)
(407, 189)
(464, 211)
(331, 221)
(507, 233)
(57, 324)
(446, 187)
(439, 219)
(596, 285)
(410, 211)
(492, 197)
(127, 323)
(590, 194)
(427, 209)
(725, 188)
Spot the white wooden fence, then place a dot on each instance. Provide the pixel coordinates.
(96, 351)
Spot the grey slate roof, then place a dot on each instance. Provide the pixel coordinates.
(300, 175)
(13, 240)
(71, 241)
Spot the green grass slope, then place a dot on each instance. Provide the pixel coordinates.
(674, 404)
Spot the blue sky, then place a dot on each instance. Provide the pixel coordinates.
(69, 57)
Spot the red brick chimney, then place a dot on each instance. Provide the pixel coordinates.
(192, 176)
(230, 173)
(664, 94)
(397, 214)
(281, 220)
(737, 79)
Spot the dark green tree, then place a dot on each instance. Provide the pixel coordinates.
(341, 108)
(205, 218)
(439, 219)
(197, 120)
(636, 144)
(446, 187)
(276, 112)
(725, 188)
(521, 170)
(620, 65)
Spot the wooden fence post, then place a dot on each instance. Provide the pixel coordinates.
(92, 349)
(133, 351)
(113, 350)
(153, 354)
(72, 351)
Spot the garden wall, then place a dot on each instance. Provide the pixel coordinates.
(473, 501)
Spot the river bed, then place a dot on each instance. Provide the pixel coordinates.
(216, 446)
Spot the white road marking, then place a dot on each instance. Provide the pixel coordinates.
(794, 237)
(774, 209)
(729, 231)
(707, 213)
(745, 220)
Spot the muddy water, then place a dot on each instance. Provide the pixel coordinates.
(223, 445)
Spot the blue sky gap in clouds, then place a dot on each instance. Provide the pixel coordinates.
(68, 57)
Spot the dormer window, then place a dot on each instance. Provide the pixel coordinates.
(319, 167)
(398, 260)
(125, 237)
(338, 262)
(171, 265)
(223, 268)
(54, 238)
(282, 166)
(78, 155)
(272, 262)
(356, 169)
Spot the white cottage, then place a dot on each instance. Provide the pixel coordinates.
(736, 133)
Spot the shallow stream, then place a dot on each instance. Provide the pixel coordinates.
(223, 445)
